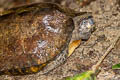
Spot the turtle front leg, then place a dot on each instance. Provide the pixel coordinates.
(60, 59)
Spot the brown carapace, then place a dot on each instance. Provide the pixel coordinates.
(33, 37)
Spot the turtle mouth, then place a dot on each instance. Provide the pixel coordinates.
(86, 27)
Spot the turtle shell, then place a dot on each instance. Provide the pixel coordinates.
(32, 35)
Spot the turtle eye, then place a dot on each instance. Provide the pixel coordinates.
(83, 22)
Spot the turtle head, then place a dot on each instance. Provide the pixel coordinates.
(85, 27)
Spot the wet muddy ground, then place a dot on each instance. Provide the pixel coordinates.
(106, 14)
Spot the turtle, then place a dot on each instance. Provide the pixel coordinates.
(40, 37)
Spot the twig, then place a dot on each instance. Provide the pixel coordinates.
(96, 66)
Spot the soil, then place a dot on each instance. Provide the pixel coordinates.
(106, 14)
